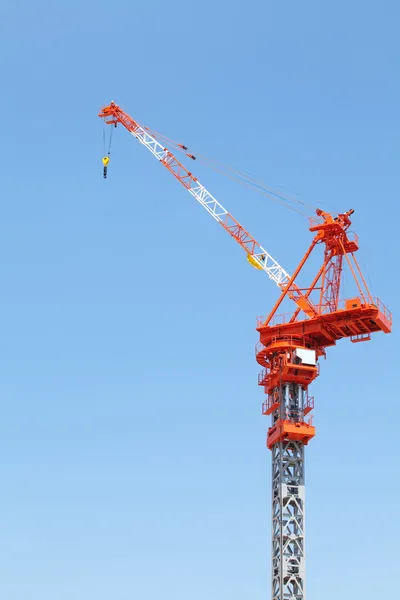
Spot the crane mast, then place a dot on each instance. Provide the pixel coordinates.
(288, 349)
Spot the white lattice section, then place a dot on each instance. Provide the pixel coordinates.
(265, 261)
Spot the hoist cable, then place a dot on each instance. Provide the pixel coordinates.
(243, 177)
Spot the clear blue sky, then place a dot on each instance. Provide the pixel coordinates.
(133, 449)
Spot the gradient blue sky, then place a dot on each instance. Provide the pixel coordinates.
(133, 450)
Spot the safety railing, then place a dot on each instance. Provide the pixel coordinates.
(291, 340)
(276, 320)
(309, 405)
(313, 221)
(289, 419)
(342, 305)
(353, 237)
(270, 403)
(382, 308)
(282, 319)
(261, 376)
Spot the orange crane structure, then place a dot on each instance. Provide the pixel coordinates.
(289, 346)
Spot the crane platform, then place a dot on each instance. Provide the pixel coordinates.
(354, 319)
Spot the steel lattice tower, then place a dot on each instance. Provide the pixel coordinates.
(288, 520)
(288, 404)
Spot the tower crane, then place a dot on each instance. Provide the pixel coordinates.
(289, 346)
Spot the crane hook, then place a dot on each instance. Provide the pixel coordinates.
(105, 161)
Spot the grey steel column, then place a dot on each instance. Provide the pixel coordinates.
(288, 505)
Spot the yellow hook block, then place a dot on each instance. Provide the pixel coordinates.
(106, 160)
